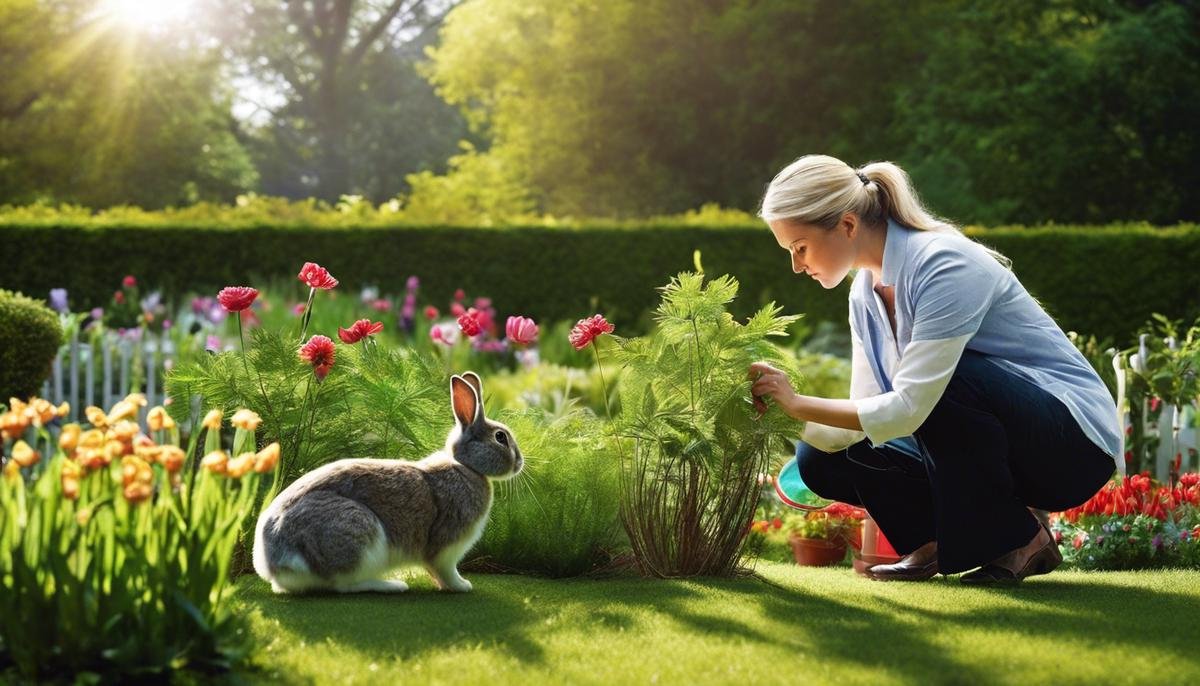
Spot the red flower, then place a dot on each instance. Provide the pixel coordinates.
(318, 352)
(431, 312)
(586, 330)
(316, 276)
(119, 296)
(129, 282)
(1154, 402)
(359, 330)
(236, 298)
(459, 295)
(777, 523)
(521, 330)
(469, 322)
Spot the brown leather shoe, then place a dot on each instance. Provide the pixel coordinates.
(919, 565)
(1044, 560)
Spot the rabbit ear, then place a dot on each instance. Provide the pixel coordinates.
(464, 401)
(476, 383)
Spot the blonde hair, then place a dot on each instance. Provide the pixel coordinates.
(819, 189)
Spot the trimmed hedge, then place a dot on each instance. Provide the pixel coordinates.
(1100, 280)
(30, 334)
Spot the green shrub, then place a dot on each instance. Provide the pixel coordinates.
(30, 335)
(559, 516)
(555, 273)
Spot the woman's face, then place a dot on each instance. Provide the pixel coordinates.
(824, 254)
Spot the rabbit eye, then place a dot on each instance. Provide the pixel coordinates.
(501, 438)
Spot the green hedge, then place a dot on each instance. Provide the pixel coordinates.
(1100, 280)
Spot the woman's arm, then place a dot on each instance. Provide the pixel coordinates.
(770, 382)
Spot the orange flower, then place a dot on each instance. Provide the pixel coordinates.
(138, 479)
(92, 438)
(266, 458)
(13, 424)
(247, 420)
(12, 471)
(240, 465)
(122, 410)
(157, 419)
(42, 411)
(96, 417)
(212, 420)
(71, 472)
(24, 455)
(215, 462)
(171, 458)
(69, 438)
(123, 431)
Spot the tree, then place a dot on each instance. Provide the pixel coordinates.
(354, 117)
(99, 114)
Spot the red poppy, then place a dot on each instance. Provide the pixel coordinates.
(470, 323)
(129, 281)
(431, 312)
(316, 276)
(586, 330)
(359, 330)
(318, 352)
(237, 298)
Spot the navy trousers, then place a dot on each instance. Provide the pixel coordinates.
(994, 445)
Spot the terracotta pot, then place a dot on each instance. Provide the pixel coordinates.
(874, 548)
(817, 552)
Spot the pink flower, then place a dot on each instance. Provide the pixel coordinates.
(431, 312)
(129, 281)
(318, 352)
(521, 330)
(298, 309)
(236, 298)
(119, 297)
(459, 295)
(457, 310)
(586, 330)
(359, 330)
(316, 276)
(446, 334)
(470, 323)
(381, 305)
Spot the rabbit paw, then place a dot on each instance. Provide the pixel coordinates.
(374, 586)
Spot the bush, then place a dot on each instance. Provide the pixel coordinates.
(554, 273)
(559, 516)
(30, 335)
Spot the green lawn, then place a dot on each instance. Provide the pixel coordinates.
(794, 626)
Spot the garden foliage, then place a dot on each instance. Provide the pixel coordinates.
(30, 334)
(690, 442)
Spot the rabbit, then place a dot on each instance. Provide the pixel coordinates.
(345, 525)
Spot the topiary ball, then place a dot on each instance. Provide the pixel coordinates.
(30, 335)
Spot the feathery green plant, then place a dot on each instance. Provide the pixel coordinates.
(692, 444)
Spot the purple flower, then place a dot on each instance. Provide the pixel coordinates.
(413, 283)
(58, 300)
(1157, 542)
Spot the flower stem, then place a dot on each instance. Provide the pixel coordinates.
(242, 339)
(312, 292)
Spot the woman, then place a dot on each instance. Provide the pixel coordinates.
(968, 408)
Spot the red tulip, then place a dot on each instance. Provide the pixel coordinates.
(586, 330)
(316, 276)
(318, 352)
(236, 298)
(469, 322)
(521, 330)
(359, 330)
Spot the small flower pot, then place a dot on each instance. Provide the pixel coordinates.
(873, 549)
(817, 552)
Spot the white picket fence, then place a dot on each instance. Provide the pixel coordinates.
(101, 373)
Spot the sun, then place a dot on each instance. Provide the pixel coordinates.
(147, 14)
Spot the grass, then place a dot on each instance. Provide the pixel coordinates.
(792, 625)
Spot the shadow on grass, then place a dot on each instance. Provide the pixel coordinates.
(515, 615)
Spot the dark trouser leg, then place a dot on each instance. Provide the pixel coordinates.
(891, 485)
(996, 444)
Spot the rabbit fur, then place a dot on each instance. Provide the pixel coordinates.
(345, 525)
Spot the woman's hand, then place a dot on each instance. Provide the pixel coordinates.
(773, 383)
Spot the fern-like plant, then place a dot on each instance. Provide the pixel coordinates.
(375, 402)
(691, 443)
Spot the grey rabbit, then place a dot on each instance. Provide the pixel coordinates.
(345, 525)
